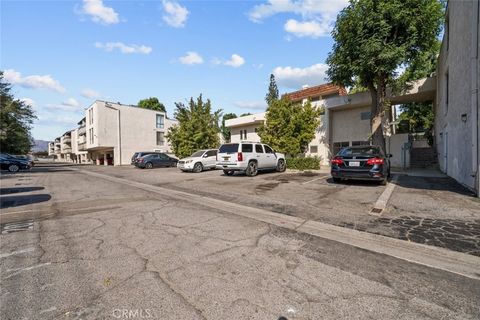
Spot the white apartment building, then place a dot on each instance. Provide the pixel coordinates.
(456, 111)
(114, 132)
(345, 122)
(110, 133)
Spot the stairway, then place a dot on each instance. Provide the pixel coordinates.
(423, 157)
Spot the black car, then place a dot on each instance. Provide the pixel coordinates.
(152, 160)
(12, 164)
(140, 154)
(361, 163)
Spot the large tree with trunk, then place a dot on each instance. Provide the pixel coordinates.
(373, 39)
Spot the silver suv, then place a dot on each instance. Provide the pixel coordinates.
(249, 157)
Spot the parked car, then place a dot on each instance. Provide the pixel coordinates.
(140, 154)
(249, 157)
(361, 163)
(29, 158)
(199, 161)
(12, 164)
(156, 159)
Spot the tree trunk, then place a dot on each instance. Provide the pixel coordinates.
(376, 116)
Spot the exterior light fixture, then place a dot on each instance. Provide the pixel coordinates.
(464, 117)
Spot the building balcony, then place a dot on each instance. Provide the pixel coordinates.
(82, 146)
(82, 139)
(67, 140)
(66, 150)
(82, 130)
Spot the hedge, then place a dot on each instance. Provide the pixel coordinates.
(307, 163)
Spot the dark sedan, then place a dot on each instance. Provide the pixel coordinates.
(150, 161)
(361, 163)
(13, 164)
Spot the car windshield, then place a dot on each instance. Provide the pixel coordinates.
(199, 153)
(228, 148)
(365, 151)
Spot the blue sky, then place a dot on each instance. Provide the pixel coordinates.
(62, 55)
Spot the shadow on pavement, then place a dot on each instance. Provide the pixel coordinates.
(433, 184)
(19, 190)
(362, 183)
(22, 200)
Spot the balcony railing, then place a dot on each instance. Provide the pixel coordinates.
(66, 150)
(82, 139)
(82, 130)
(67, 140)
(82, 146)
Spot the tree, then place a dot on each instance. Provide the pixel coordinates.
(272, 94)
(289, 127)
(373, 38)
(245, 114)
(152, 104)
(226, 131)
(16, 119)
(197, 127)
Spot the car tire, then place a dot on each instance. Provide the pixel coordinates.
(148, 165)
(252, 169)
(13, 168)
(173, 165)
(337, 180)
(228, 172)
(197, 167)
(281, 166)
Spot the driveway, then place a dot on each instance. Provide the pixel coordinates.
(431, 210)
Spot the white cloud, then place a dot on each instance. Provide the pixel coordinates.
(191, 58)
(311, 29)
(252, 105)
(175, 15)
(235, 61)
(71, 102)
(318, 16)
(99, 12)
(33, 82)
(29, 102)
(123, 48)
(296, 77)
(90, 93)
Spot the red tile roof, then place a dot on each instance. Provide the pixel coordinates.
(321, 90)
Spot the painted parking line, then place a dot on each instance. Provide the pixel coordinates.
(382, 201)
(316, 179)
(14, 253)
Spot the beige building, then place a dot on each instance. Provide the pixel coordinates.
(114, 132)
(456, 110)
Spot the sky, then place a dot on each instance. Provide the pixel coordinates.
(60, 56)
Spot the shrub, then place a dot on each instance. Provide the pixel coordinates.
(307, 163)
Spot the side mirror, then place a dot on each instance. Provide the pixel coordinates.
(205, 155)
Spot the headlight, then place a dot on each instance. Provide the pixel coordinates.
(188, 161)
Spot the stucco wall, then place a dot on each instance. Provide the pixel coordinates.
(456, 122)
(251, 134)
(395, 146)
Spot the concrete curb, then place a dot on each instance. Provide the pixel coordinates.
(434, 257)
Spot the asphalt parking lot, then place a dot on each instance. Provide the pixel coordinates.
(434, 211)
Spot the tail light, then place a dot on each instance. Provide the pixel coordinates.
(373, 161)
(140, 159)
(239, 156)
(337, 161)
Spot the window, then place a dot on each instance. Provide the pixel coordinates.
(243, 134)
(446, 92)
(256, 130)
(313, 149)
(258, 148)
(337, 146)
(247, 147)
(160, 121)
(365, 115)
(90, 115)
(212, 153)
(360, 143)
(229, 148)
(160, 138)
(268, 149)
(163, 156)
(91, 136)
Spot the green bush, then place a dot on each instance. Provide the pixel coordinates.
(308, 163)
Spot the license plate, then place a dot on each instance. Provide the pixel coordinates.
(354, 164)
(226, 158)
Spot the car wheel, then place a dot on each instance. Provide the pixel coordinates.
(148, 165)
(13, 168)
(337, 180)
(197, 167)
(228, 172)
(252, 169)
(281, 167)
